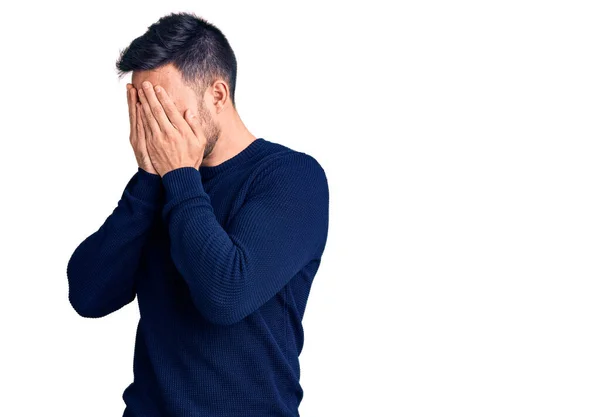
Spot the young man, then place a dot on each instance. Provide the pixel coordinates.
(219, 234)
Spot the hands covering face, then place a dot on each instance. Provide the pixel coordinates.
(172, 140)
(137, 137)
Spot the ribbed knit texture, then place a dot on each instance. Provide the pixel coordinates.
(222, 260)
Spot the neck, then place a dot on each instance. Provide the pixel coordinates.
(234, 138)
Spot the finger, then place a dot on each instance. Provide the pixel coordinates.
(131, 100)
(193, 122)
(150, 123)
(157, 109)
(170, 109)
(141, 134)
(145, 124)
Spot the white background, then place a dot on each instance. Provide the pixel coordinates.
(461, 144)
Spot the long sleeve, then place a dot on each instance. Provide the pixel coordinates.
(102, 270)
(280, 227)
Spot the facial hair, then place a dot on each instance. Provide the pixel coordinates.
(210, 128)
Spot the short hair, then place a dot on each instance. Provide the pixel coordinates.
(194, 46)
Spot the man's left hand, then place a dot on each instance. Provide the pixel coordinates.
(174, 141)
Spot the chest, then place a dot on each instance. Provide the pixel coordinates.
(161, 290)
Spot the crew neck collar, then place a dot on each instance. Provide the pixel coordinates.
(241, 157)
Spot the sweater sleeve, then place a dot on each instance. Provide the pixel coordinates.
(102, 270)
(280, 227)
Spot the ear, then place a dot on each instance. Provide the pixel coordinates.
(220, 94)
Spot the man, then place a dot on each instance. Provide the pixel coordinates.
(219, 234)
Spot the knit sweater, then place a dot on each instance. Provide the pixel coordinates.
(221, 260)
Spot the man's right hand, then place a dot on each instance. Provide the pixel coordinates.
(137, 136)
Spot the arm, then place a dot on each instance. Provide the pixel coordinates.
(101, 271)
(281, 227)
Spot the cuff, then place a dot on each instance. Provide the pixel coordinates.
(182, 184)
(145, 186)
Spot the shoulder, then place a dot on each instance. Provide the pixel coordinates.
(279, 155)
(289, 166)
(288, 174)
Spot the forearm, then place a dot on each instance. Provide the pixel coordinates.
(200, 248)
(101, 271)
(280, 228)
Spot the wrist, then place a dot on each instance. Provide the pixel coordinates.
(183, 184)
(145, 186)
(148, 171)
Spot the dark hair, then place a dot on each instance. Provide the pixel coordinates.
(194, 46)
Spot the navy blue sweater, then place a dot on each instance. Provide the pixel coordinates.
(222, 260)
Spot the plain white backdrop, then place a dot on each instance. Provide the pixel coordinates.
(461, 143)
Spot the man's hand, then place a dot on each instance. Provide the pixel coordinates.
(137, 137)
(174, 141)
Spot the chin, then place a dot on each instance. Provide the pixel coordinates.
(210, 145)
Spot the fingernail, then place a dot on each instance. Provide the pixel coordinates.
(157, 89)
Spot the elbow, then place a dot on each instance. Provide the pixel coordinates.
(79, 296)
(221, 305)
(91, 304)
(90, 300)
(85, 308)
(222, 316)
(90, 308)
(219, 313)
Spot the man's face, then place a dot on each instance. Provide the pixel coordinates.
(184, 98)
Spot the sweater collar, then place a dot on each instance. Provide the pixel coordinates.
(247, 153)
